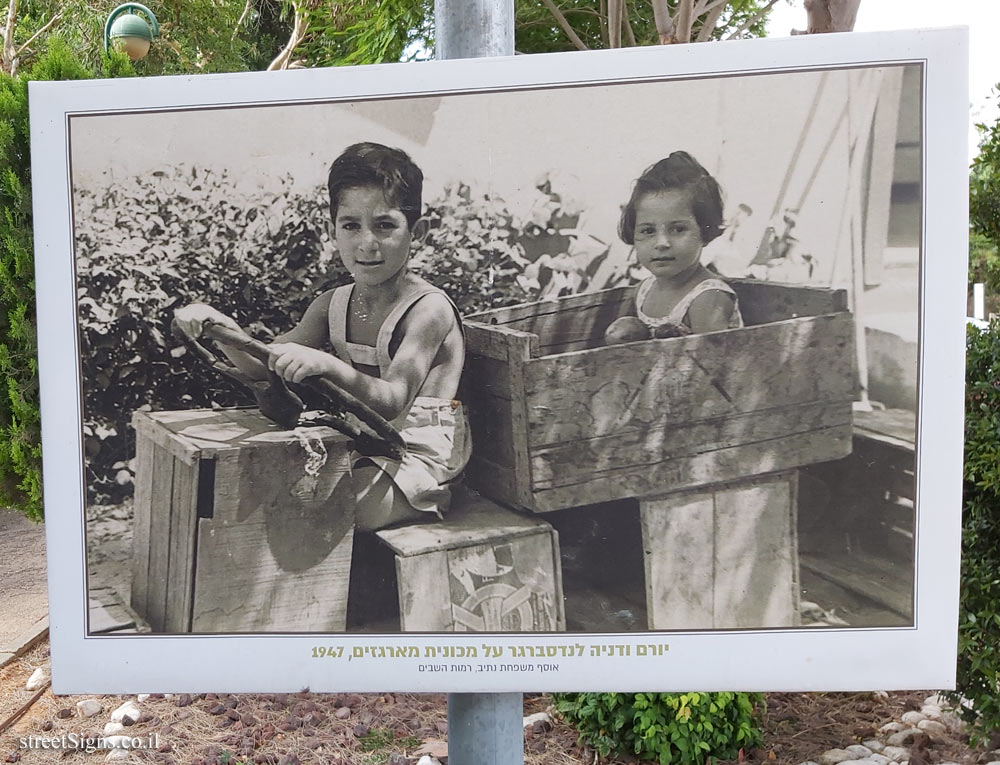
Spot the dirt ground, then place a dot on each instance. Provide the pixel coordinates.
(395, 729)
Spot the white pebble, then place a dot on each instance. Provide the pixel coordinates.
(912, 718)
(874, 744)
(936, 701)
(142, 697)
(537, 717)
(896, 753)
(809, 762)
(129, 709)
(36, 680)
(880, 759)
(904, 737)
(933, 727)
(89, 707)
(113, 729)
(995, 762)
(859, 751)
(118, 755)
(931, 712)
(428, 760)
(835, 757)
(892, 727)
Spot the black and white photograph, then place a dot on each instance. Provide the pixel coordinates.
(636, 357)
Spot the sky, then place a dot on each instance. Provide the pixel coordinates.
(981, 16)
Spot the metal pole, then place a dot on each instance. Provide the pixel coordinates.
(483, 728)
(473, 28)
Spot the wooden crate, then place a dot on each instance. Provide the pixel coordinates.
(483, 569)
(231, 532)
(560, 421)
(723, 557)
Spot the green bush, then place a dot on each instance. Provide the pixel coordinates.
(979, 618)
(20, 430)
(665, 727)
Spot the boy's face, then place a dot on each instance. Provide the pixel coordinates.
(372, 236)
(667, 237)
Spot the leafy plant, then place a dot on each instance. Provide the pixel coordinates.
(665, 727)
(979, 619)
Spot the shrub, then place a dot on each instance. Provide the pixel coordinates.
(979, 619)
(665, 727)
(20, 430)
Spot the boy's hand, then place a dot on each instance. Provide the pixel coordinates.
(191, 319)
(296, 362)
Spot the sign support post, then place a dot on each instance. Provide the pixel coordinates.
(483, 728)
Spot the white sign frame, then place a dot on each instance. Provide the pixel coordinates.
(918, 656)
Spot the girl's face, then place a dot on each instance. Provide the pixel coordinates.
(372, 236)
(667, 237)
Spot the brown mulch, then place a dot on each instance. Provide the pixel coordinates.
(392, 728)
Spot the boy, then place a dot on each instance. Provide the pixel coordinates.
(397, 340)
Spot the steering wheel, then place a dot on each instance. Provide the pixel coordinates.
(373, 434)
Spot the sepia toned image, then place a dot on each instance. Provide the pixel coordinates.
(660, 476)
(576, 372)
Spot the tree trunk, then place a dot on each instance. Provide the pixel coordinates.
(831, 15)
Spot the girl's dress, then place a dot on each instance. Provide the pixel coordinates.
(435, 430)
(678, 316)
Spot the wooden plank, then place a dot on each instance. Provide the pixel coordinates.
(560, 597)
(493, 341)
(107, 616)
(146, 427)
(678, 551)
(700, 470)
(755, 563)
(520, 351)
(240, 586)
(571, 462)
(424, 599)
(883, 582)
(145, 466)
(764, 302)
(504, 586)
(473, 520)
(161, 495)
(181, 554)
(607, 390)
(526, 312)
(895, 426)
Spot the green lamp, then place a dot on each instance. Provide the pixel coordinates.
(129, 31)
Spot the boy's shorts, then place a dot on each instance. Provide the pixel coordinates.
(438, 447)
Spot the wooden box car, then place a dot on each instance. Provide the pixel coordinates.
(233, 530)
(560, 420)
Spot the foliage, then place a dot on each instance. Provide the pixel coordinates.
(979, 620)
(537, 30)
(984, 262)
(195, 35)
(20, 434)
(665, 727)
(147, 245)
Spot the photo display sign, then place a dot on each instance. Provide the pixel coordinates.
(708, 430)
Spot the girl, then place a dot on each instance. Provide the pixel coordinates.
(674, 211)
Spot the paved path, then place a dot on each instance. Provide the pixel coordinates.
(24, 599)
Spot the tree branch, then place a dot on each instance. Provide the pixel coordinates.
(561, 20)
(8, 37)
(664, 24)
(282, 60)
(752, 20)
(708, 25)
(614, 23)
(684, 21)
(629, 34)
(243, 17)
(35, 36)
